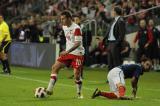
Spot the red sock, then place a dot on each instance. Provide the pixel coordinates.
(109, 95)
(121, 90)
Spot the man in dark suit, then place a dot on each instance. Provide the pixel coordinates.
(114, 36)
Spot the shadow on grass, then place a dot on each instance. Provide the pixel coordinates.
(49, 99)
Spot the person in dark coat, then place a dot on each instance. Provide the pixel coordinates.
(114, 36)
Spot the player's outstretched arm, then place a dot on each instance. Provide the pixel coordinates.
(134, 82)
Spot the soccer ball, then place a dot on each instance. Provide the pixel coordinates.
(40, 92)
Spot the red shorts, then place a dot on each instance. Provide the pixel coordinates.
(72, 60)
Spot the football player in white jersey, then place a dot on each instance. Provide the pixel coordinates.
(72, 56)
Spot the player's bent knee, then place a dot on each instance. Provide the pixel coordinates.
(77, 75)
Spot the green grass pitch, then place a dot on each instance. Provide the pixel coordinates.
(18, 89)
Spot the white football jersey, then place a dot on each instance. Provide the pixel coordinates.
(72, 34)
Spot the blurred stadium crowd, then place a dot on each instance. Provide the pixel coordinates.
(37, 20)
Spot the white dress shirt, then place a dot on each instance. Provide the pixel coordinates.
(111, 34)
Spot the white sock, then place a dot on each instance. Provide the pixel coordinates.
(52, 82)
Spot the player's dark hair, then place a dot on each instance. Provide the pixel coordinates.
(67, 14)
(144, 59)
(118, 10)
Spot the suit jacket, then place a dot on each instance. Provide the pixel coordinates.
(119, 28)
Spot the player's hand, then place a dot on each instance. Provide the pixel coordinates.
(146, 45)
(63, 53)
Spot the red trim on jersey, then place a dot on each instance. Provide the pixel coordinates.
(77, 32)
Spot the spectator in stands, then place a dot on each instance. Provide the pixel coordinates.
(60, 37)
(143, 4)
(151, 4)
(154, 54)
(49, 27)
(131, 9)
(33, 31)
(23, 31)
(98, 55)
(125, 50)
(5, 41)
(14, 31)
(158, 9)
(144, 37)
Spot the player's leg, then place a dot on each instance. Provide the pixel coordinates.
(116, 80)
(4, 56)
(77, 64)
(78, 81)
(111, 76)
(82, 73)
(110, 95)
(121, 90)
(120, 84)
(3, 63)
(72, 76)
(53, 77)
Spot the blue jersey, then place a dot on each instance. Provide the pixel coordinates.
(131, 70)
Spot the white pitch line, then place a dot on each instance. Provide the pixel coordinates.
(157, 90)
(61, 84)
(44, 82)
(157, 100)
(95, 81)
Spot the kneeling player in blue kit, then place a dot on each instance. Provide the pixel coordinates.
(116, 80)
